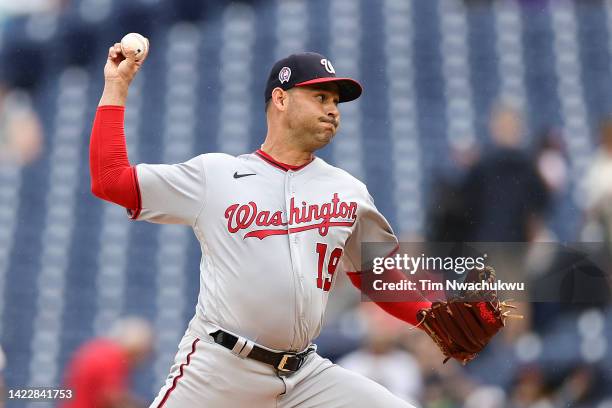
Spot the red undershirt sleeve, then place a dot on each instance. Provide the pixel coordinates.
(112, 177)
(401, 308)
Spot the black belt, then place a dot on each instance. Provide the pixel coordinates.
(285, 362)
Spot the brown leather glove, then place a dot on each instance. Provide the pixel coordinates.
(464, 325)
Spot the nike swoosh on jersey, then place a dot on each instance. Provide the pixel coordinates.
(237, 176)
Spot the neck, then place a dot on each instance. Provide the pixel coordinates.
(287, 154)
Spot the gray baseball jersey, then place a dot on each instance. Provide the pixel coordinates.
(272, 238)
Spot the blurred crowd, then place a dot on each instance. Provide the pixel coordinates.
(408, 363)
(9, 9)
(98, 373)
(20, 130)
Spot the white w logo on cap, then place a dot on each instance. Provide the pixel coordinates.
(328, 66)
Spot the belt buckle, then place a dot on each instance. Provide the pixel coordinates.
(281, 365)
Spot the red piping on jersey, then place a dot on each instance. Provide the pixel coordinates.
(181, 372)
(112, 177)
(283, 166)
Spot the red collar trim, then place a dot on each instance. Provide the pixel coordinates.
(285, 167)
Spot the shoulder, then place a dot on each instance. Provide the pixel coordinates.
(214, 161)
(342, 176)
(217, 158)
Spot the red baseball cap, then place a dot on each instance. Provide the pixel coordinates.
(309, 68)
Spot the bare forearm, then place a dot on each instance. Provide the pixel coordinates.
(115, 93)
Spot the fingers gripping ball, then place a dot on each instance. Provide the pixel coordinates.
(134, 46)
(464, 325)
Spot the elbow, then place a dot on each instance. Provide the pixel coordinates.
(118, 188)
(94, 178)
(96, 190)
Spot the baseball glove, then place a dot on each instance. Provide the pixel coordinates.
(463, 325)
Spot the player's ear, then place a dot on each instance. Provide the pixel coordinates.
(280, 98)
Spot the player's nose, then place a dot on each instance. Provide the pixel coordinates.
(333, 112)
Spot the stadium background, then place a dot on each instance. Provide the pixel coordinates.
(432, 71)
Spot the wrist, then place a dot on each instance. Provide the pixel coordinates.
(116, 86)
(115, 93)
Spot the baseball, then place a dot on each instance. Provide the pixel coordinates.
(134, 46)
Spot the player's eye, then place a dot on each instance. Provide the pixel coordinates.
(320, 97)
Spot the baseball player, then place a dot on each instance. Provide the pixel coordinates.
(275, 228)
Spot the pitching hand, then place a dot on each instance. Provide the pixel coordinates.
(120, 68)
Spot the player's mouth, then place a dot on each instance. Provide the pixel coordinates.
(332, 123)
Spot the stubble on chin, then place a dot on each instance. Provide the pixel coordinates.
(324, 138)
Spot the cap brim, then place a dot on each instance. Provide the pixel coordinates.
(349, 89)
